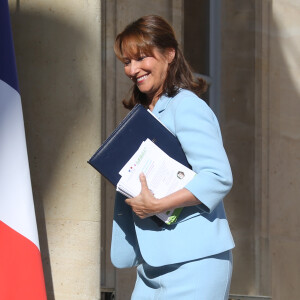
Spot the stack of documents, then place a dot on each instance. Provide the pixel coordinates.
(163, 166)
(164, 176)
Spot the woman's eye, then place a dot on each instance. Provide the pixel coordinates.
(126, 62)
(141, 58)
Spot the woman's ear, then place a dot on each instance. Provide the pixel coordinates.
(170, 55)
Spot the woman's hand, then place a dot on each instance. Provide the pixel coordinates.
(145, 204)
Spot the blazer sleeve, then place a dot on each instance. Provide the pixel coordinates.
(199, 133)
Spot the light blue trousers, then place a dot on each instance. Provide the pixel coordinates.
(204, 279)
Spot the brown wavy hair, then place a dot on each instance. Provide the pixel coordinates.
(141, 37)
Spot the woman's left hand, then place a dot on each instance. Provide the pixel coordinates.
(145, 204)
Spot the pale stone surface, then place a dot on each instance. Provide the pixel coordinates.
(285, 268)
(72, 260)
(284, 149)
(260, 118)
(58, 51)
(237, 123)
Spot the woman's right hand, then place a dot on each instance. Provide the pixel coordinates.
(145, 204)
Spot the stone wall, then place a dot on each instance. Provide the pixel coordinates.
(237, 108)
(58, 53)
(260, 119)
(284, 148)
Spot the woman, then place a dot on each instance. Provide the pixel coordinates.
(192, 258)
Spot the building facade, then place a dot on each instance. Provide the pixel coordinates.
(72, 86)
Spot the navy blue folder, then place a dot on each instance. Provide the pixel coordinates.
(119, 147)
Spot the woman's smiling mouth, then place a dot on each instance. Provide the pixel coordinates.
(142, 78)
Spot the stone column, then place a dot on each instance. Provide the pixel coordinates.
(58, 50)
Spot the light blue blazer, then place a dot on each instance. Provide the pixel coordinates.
(201, 230)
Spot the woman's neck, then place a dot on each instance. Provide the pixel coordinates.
(153, 102)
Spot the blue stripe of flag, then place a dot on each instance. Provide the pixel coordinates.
(8, 70)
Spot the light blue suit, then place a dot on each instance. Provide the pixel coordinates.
(201, 230)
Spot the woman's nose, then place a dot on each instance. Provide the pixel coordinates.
(134, 68)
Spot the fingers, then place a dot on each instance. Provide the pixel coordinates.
(136, 209)
(140, 203)
(143, 181)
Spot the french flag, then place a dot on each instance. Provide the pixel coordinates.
(21, 272)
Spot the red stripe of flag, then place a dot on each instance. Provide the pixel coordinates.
(21, 272)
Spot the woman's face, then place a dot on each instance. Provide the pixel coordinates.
(148, 72)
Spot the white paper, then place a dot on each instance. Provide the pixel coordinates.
(164, 175)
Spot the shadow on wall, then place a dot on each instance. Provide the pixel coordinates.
(54, 97)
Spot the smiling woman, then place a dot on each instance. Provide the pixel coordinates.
(190, 259)
(150, 43)
(149, 72)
